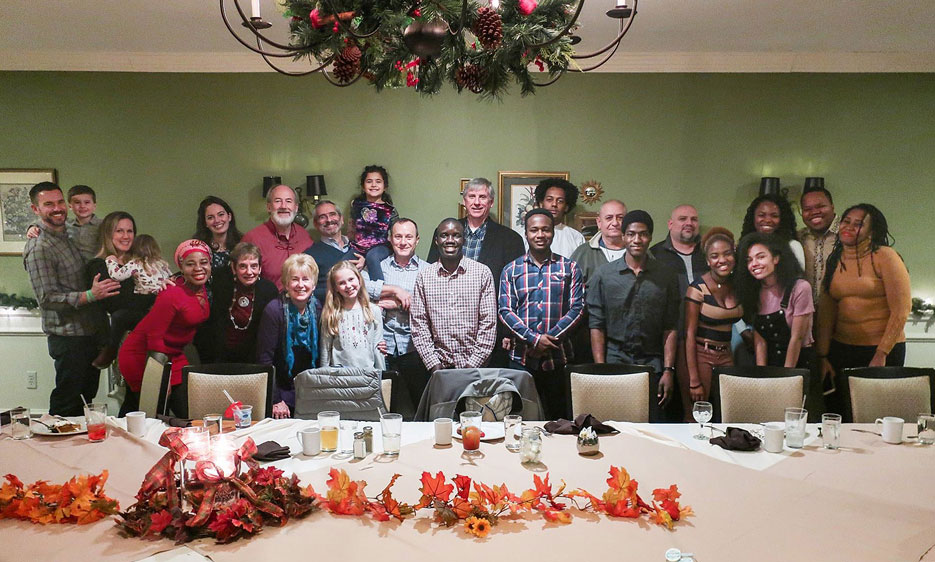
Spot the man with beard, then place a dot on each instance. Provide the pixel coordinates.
(454, 311)
(279, 237)
(333, 246)
(55, 268)
(681, 250)
(541, 301)
(818, 235)
(633, 304)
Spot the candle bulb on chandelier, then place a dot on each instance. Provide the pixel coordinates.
(255, 5)
(495, 4)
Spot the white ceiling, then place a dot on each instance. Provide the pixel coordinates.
(667, 36)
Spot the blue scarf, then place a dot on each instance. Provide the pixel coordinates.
(301, 331)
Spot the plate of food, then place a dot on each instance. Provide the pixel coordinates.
(50, 426)
(490, 431)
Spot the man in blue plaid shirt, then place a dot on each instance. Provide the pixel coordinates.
(541, 300)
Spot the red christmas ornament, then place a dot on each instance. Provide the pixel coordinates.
(336, 27)
(526, 7)
(538, 62)
(315, 19)
(416, 13)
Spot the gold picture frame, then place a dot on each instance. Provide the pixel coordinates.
(15, 210)
(516, 195)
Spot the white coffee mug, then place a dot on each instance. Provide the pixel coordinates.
(310, 439)
(773, 434)
(443, 431)
(892, 429)
(136, 423)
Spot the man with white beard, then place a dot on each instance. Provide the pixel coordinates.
(279, 237)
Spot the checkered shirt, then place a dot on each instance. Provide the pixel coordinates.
(473, 241)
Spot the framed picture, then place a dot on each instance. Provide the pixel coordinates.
(462, 212)
(15, 212)
(518, 195)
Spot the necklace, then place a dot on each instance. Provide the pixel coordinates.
(243, 301)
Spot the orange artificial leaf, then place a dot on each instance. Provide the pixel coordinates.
(461, 507)
(435, 487)
(543, 488)
(670, 493)
(661, 517)
(555, 516)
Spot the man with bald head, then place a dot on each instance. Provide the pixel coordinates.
(681, 249)
(605, 246)
(453, 316)
(279, 237)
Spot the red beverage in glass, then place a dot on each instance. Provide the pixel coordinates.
(97, 432)
(470, 437)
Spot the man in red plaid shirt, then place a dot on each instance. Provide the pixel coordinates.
(541, 300)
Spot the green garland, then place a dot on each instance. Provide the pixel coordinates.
(386, 62)
(16, 301)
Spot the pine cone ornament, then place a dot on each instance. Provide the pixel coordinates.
(471, 76)
(488, 28)
(347, 64)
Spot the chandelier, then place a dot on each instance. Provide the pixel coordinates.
(422, 44)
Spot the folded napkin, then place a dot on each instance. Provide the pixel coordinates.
(174, 422)
(271, 451)
(566, 427)
(736, 439)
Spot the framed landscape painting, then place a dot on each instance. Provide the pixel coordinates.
(517, 196)
(15, 212)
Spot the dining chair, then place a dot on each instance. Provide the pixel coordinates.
(386, 388)
(153, 392)
(757, 394)
(876, 392)
(357, 394)
(610, 391)
(246, 382)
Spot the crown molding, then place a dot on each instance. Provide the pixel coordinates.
(701, 62)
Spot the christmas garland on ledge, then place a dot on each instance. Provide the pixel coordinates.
(265, 497)
(420, 44)
(16, 301)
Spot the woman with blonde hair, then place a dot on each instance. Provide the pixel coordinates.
(351, 326)
(288, 335)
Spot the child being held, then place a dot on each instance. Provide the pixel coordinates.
(351, 327)
(372, 214)
(150, 275)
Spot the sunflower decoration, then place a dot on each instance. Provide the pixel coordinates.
(477, 526)
(591, 192)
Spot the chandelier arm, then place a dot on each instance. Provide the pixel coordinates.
(244, 43)
(291, 73)
(464, 7)
(246, 21)
(338, 84)
(600, 64)
(347, 27)
(624, 27)
(558, 36)
(550, 82)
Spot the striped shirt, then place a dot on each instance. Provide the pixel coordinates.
(536, 300)
(454, 315)
(714, 319)
(474, 241)
(396, 329)
(55, 268)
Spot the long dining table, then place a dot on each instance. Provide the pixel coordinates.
(867, 500)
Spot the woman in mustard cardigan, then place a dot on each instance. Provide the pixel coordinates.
(865, 299)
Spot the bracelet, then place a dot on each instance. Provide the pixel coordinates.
(664, 369)
(89, 295)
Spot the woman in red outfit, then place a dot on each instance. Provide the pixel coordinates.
(169, 326)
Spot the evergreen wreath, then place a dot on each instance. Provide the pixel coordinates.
(323, 30)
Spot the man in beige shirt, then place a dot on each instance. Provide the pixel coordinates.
(819, 233)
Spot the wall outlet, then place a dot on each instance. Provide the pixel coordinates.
(32, 380)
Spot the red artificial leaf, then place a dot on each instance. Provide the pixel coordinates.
(160, 521)
(543, 488)
(464, 486)
(435, 487)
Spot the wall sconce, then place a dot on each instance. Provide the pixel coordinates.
(813, 184)
(269, 182)
(315, 187)
(769, 186)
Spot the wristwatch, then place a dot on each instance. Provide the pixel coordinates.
(664, 369)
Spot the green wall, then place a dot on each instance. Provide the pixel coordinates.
(155, 144)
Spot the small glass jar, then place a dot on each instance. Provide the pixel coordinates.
(531, 447)
(360, 445)
(368, 438)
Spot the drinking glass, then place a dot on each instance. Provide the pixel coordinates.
(346, 430)
(470, 431)
(392, 427)
(509, 432)
(831, 430)
(329, 422)
(95, 416)
(19, 423)
(243, 416)
(926, 426)
(795, 427)
(213, 423)
(702, 412)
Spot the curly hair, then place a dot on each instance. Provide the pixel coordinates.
(788, 270)
(375, 169)
(879, 236)
(787, 224)
(203, 233)
(571, 192)
(717, 233)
